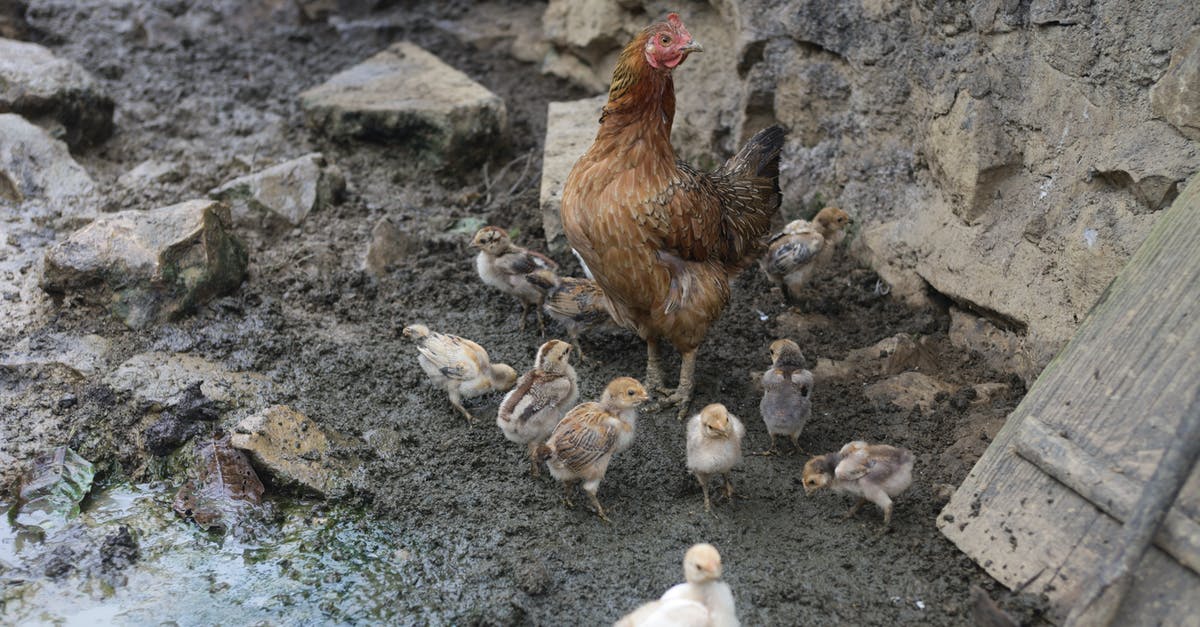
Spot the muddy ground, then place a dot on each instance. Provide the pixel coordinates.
(506, 550)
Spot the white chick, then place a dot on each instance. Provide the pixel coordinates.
(458, 365)
(702, 572)
(541, 397)
(714, 447)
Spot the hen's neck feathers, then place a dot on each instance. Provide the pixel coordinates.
(641, 101)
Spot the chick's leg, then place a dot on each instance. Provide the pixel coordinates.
(728, 487)
(524, 315)
(854, 510)
(566, 496)
(456, 400)
(591, 492)
(575, 344)
(703, 479)
(533, 461)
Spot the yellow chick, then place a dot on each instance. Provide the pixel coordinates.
(459, 366)
(506, 267)
(872, 472)
(578, 304)
(794, 254)
(585, 440)
(530, 410)
(703, 601)
(714, 447)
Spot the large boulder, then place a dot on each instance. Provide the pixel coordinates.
(408, 96)
(287, 192)
(1176, 96)
(292, 449)
(53, 91)
(39, 177)
(570, 129)
(150, 265)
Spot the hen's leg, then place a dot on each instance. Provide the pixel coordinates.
(654, 378)
(682, 396)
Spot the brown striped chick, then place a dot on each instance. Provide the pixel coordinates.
(795, 253)
(872, 472)
(458, 366)
(506, 266)
(530, 411)
(578, 304)
(585, 440)
(703, 601)
(714, 447)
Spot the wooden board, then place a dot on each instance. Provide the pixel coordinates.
(1117, 392)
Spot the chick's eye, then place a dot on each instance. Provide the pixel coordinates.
(630, 392)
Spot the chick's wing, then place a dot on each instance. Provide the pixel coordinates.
(581, 440)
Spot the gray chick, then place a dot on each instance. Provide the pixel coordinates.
(787, 394)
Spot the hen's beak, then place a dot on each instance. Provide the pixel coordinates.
(692, 46)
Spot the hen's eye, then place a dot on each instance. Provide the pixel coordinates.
(664, 40)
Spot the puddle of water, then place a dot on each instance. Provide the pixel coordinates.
(307, 565)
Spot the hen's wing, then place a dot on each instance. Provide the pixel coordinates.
(456, 358)
(584, 436)
(787, 252)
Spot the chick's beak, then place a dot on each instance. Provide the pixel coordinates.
(692, 46)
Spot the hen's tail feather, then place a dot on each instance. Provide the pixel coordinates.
(760, 156)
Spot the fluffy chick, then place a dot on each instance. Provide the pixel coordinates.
(714, 447)
(578, 304)
(678, 606)
(872, 472)
(458, 365)
(795, 253)
(585, 440)
(530, 410)
(506, 267)
(787, 393)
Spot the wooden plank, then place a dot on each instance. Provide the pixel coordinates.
(1111, 491)
(1118, 391)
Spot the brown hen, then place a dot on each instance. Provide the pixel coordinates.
(661, 238)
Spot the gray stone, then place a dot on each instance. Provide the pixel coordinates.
(389, 246)
(87, 355)
(39, 177)
(288, 191)
(970, 150)
(570, 129)
(410, 97)
(1176, 96)
(150, 265)
(153, 172)
(292, 449)
(160, 378)
(46, 88)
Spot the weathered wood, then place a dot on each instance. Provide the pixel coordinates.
(1112, 492)
(1119, 391)
(1102, 599)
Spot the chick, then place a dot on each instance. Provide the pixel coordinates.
(873, 472)
(579, 304)
(586, 439)
(530, 411)
(506, 266)
(795, 253)
(678, 606)
(459, 366)
(714, 446)
(787, 393)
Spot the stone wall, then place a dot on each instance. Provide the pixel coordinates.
(1007, 154)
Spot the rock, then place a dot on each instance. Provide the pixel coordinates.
(896, 354)
(86, 355)
(832, 369)
(987, 392)
(408, 96)
(970, 150)
(389, 246)
(909, 390)
(570, 129)
(515, 30)
(288, 191)
(1176, 96)
(162, 379)
(12, 19)
(38, 175)
(51, 90)
(292, 449)
(152, 172)
(876, 246)
(150, 265)
(189, 416)
(1003, 350)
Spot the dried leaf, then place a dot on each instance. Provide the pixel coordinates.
(224, 486)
